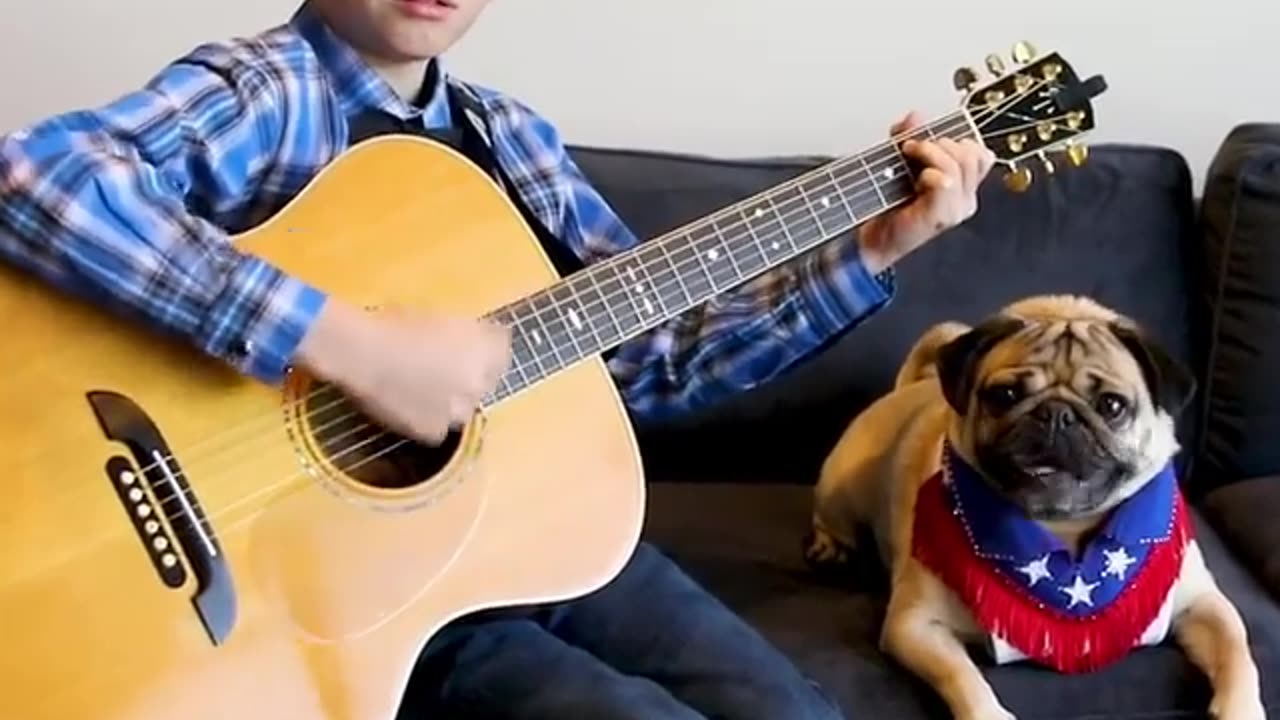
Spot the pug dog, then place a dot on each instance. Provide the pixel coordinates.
(1018, 484)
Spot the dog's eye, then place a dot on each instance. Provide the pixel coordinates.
(1003, 396)
(1111, 405)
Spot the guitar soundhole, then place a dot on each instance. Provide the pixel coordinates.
(357, 446)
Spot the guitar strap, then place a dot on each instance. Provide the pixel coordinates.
(469, 134)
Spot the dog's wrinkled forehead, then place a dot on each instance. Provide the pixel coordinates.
(1053, 350)
(1064, 341)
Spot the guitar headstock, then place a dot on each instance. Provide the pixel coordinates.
(1037, 106)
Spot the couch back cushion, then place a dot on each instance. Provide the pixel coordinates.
(1240, 435)
(1120, 228)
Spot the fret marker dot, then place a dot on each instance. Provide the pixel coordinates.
(648, 306)
(573, 318)
(631, 273)
(888, 173)
(775, 245)
(537, 337)
(759, 212)
(826, 201)
(713, 254)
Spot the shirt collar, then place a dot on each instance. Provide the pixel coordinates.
(357, 86)
(997, 527)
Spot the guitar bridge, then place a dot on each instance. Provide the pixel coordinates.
(165, 512)
(141, 507)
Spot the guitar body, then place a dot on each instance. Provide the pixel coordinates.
(302, 589)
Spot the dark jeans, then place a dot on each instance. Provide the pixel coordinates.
(651, 645)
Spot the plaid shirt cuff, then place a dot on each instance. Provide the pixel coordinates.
(837, 289)
(257, 323)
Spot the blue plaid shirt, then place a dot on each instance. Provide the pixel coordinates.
(132, 204)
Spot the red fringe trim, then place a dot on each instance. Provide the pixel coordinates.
(1009, 611)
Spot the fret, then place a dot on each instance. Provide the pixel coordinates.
(519, 357)
(750, 243)
(818, 200)
(895, 182)
(903, 165)
(553, 340)
(730, 232)
(593, 313)
(540, 346)
(839, 192)
(504, 387)
(791, 216)
(685, 297)
(872, 174)
(566, 307)
(641, 291)
(667, 284)
(626, 311)
(521, 354)
(758, 218)
(655, 290)
(683, 255)
(531, 342)
(714, 257)
(601, 303)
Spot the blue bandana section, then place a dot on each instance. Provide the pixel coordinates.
(1037, 562)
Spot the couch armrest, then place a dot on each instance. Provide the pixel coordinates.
(1240, 213)
(1245, 514)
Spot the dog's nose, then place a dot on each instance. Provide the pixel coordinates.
(1056, 414)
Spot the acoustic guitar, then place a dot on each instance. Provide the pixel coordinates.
(177, 541)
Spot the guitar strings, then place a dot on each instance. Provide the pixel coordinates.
(860, 191)
(926, 128)
(789, 213)
(666, 285)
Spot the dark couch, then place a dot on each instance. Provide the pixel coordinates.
(729, 495)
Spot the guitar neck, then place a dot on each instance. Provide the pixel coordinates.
(614, 300)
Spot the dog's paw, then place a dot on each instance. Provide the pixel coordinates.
(823, 551)
(1237, 707)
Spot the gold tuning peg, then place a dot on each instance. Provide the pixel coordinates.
(1023, 51)
(964, 79)
(1018, 179)
(995, 65)
(1077, 153)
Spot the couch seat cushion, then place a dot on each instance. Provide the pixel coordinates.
(742, 542)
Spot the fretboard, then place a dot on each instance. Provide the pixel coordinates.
(617, 299)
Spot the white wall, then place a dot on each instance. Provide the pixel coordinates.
(735, 77)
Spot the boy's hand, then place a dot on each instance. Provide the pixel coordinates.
(417, 374)
(947, 189)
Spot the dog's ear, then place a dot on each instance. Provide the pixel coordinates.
(1169, 382)
(958, 360)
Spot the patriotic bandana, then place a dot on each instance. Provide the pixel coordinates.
(1074, 614)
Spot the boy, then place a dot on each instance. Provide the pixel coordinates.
(134, 202)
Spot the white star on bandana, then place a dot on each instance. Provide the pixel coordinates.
(1118, 561)
(1080, 592)
(1036, 570)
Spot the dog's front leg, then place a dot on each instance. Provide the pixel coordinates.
(918, 634)
(1211, 632)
